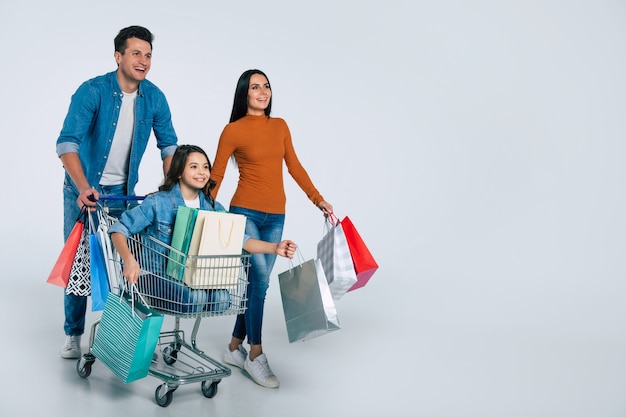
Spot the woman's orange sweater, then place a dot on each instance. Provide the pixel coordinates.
(260, 144)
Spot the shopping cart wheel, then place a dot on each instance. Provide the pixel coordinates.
(83, 365)
(163, 395)
(170, 353)
(209, 388)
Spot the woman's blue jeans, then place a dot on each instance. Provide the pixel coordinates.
(267, 227)
(76, 306)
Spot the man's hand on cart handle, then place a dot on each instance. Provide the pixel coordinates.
(88, 198)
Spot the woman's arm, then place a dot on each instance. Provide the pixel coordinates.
(225, 149)
(300, 175)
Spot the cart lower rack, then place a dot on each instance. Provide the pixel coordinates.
(185, 287)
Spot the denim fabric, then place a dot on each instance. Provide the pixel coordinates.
(92, 117)
(172, 296)
(156, 215)
(219, 301)
(268, 227)
(176, 297)
(71, 211)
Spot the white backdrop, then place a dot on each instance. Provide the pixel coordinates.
(477, 146)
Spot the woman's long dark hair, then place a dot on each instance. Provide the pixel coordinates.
(240, 103)
(177, 167)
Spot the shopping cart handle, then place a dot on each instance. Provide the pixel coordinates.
(119, 197)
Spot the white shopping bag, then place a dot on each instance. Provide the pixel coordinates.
(334, 254)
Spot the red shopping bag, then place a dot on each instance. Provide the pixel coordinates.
(60, 273)
(364, 263)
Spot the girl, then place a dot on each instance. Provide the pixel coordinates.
(259, 144)
(189, 173)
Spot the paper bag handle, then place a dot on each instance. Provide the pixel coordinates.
(230, 234)
(330, 221)
(133, 290)
(300, 259)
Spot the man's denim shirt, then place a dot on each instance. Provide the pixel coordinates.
(92, 117)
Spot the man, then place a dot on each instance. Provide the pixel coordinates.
(103, 139)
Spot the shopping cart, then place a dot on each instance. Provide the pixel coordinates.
(219, 288)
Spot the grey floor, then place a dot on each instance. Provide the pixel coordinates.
(319, 376)
(388, 359)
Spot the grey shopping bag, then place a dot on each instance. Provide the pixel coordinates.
(307, 302)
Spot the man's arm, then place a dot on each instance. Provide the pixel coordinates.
(74, 168)
(167, 161)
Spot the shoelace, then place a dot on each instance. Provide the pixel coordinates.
(264, 369)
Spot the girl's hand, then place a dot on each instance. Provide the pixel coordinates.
(286, 248)
(326, 207)
(131, 270)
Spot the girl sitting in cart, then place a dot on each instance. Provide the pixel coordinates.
(188, 183)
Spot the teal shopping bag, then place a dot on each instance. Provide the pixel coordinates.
(181, 238)
(127, 336)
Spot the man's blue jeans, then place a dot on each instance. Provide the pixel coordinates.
(76, 306)
(262, 226)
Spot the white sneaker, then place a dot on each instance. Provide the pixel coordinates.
(71, 349)
(235, 358)
(260, 371)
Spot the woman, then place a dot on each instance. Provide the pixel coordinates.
(259, 144)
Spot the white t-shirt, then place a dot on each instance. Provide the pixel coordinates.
(193, 203)
(116, 168)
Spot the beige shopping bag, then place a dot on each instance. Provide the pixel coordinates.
(215, 249)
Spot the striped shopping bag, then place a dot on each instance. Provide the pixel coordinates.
(334, 255)
(127, 336)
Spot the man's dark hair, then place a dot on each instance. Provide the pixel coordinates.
(138, 32)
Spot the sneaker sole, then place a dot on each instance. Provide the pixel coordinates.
(70, 355)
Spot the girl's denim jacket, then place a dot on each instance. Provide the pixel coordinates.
(156, 215)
